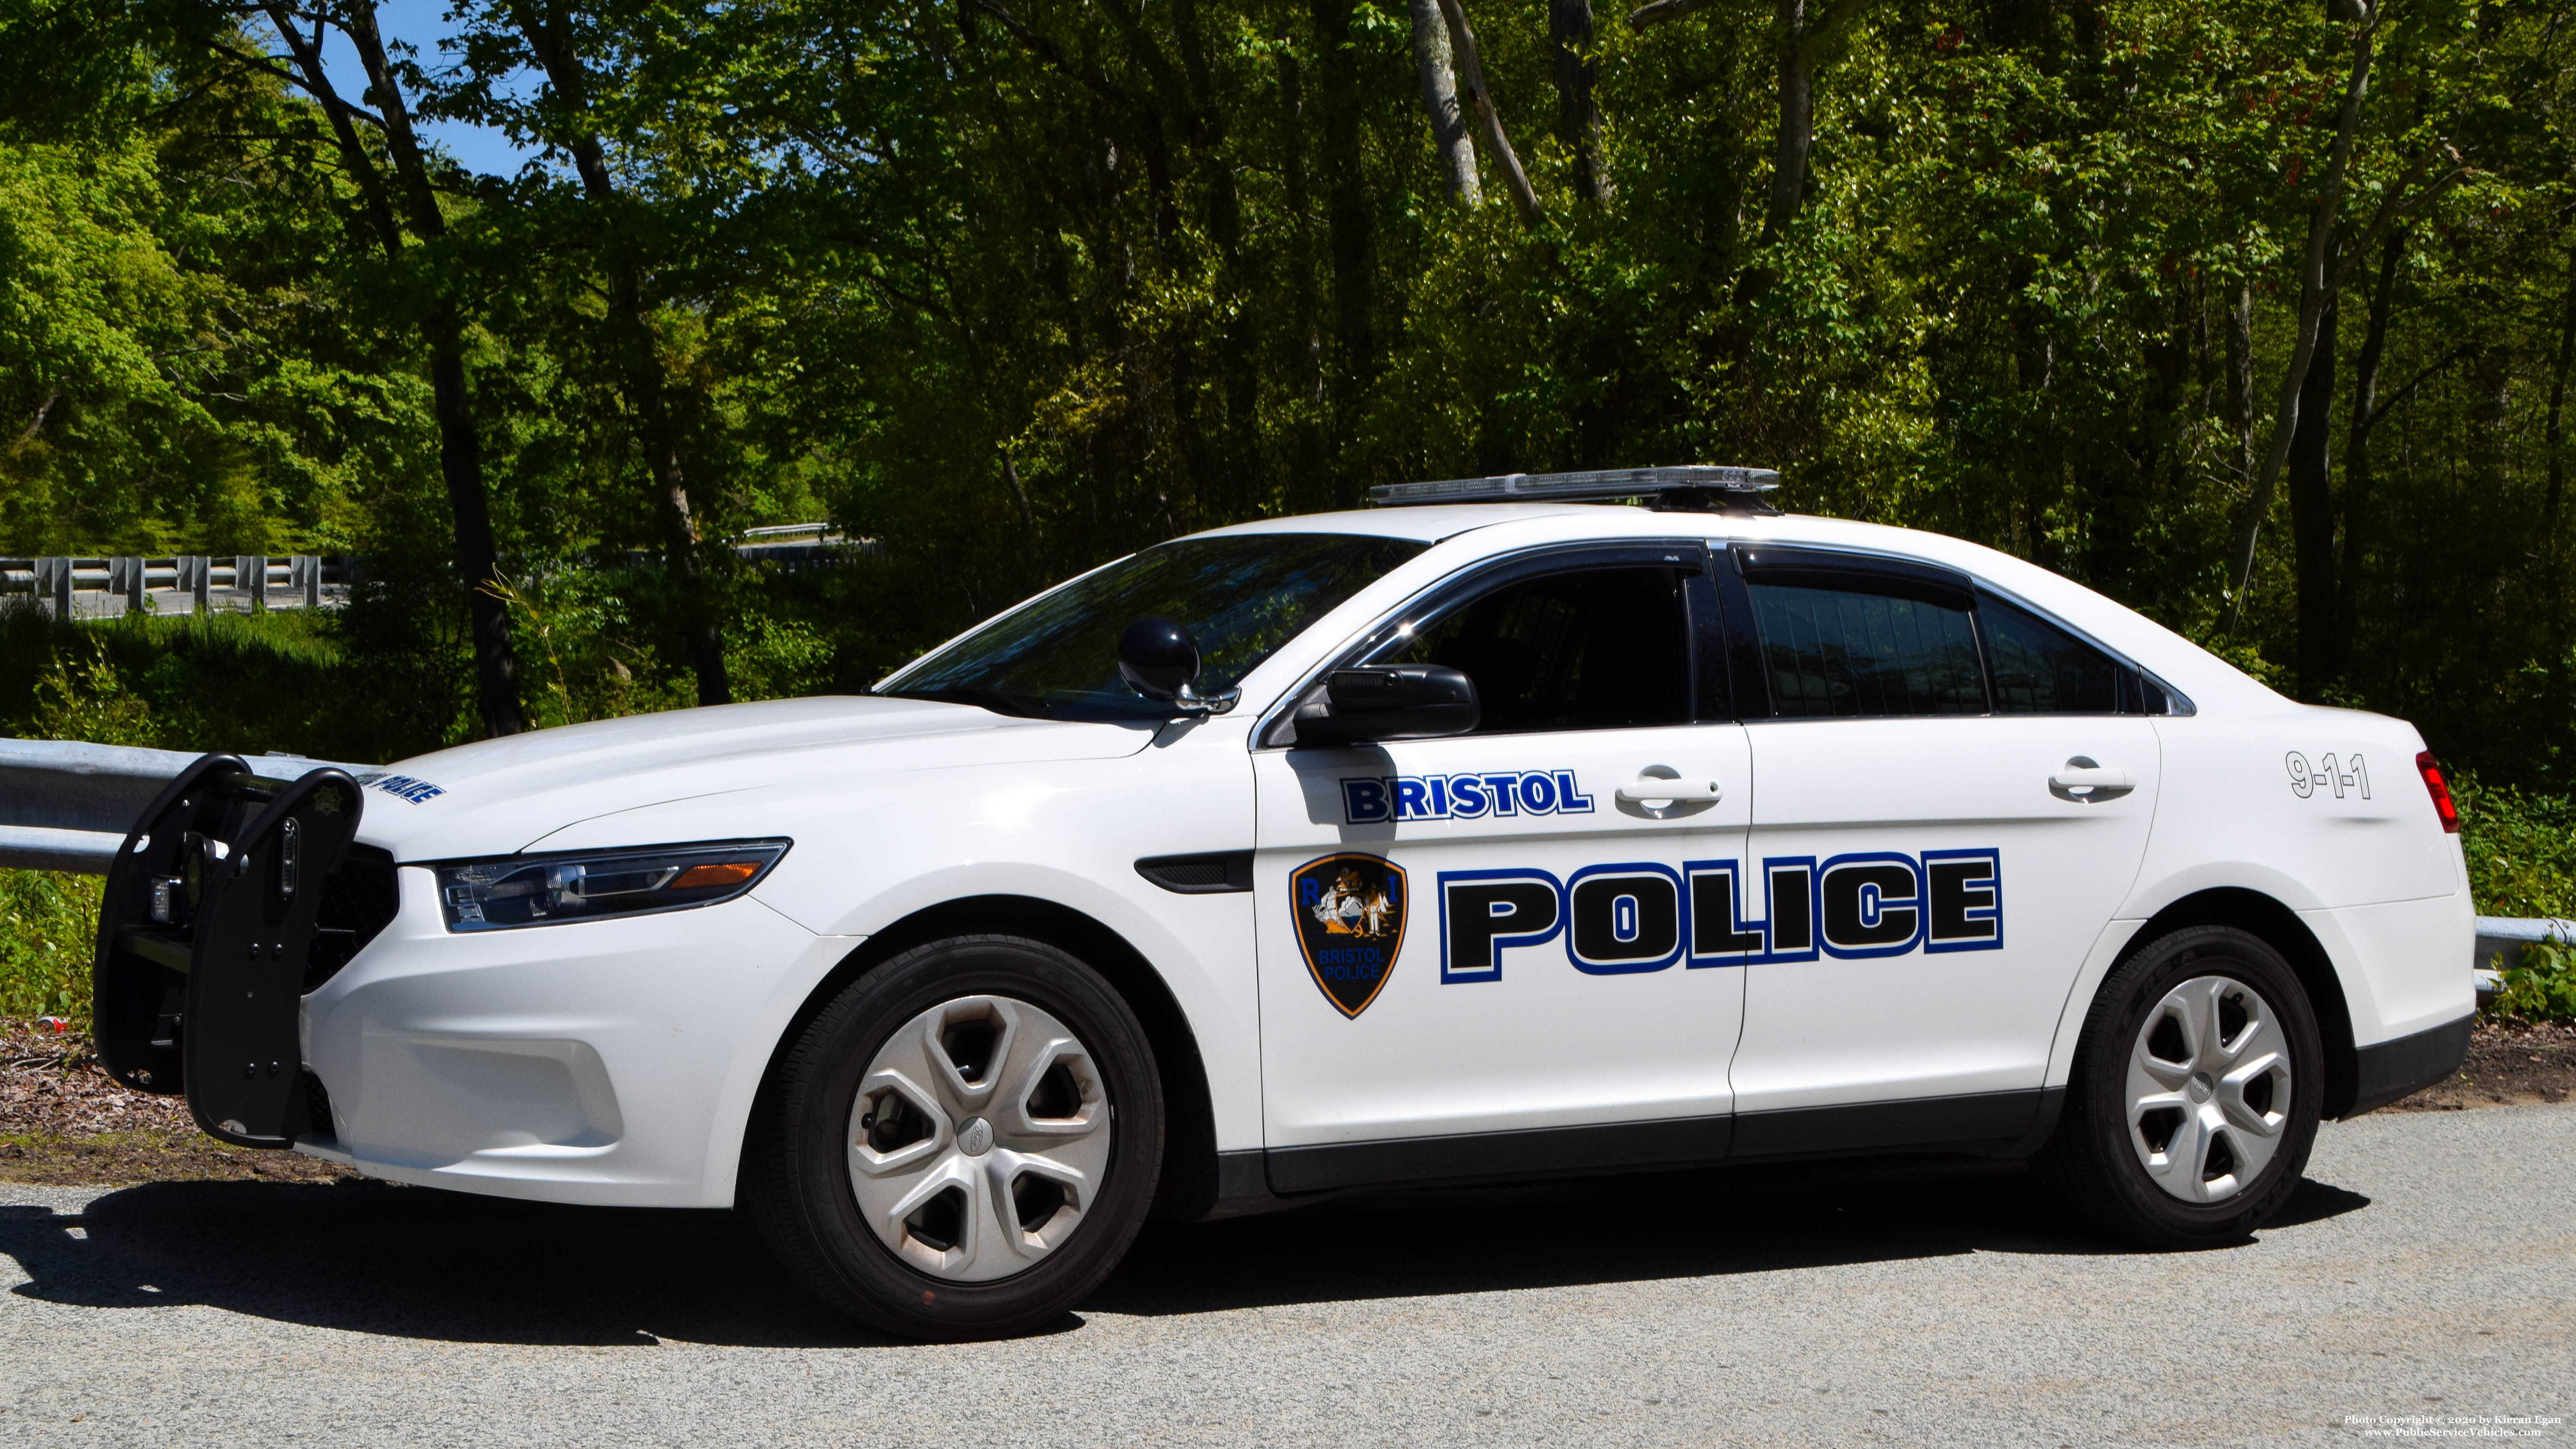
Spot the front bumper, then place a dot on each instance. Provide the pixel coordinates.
(607, 1062)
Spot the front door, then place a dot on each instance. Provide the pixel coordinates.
(1952, 799)
(1474, 952)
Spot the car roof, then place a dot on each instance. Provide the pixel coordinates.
(1521, 524)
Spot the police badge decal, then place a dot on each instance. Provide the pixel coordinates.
(1350, 924)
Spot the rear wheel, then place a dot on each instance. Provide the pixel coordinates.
(2195, 1093)
(964, 1143)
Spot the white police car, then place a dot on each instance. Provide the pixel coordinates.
(1496, 834)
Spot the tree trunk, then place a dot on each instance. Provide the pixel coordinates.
(2356, 459)
(549, 35)
(460, 442)
(2115, 545)
(2312, 511)
(1578, 119)
(1432, 66)
(2557, 431)
(1307, 452)
(1238, 369)
(2553, 558)
(1309, 482)
(2240, 378)
(1471, 79)
(1347, 215)
(1194, 62)
(1795, 139)
(1793, 144)
(2315, 291)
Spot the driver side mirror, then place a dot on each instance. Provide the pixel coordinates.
(1160, 661)
(1389, 702)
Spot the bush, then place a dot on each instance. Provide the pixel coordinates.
(48, 928)
(2521, 849)
(2542, 987)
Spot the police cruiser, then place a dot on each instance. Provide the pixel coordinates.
(1523, 826)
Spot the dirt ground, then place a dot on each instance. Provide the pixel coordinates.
(2506, 1064)
(64, 1122)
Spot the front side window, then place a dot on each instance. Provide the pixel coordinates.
(1850, 651)
(1242, 598)
(1605, 648)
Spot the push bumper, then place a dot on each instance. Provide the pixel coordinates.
(212, 924)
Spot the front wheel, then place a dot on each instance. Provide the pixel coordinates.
(2195, 1094)
(963, 1144)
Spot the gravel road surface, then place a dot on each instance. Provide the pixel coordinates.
(2425, 1274)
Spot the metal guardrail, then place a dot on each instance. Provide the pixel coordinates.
(66, 805)
(2500, 943)
(104, 586)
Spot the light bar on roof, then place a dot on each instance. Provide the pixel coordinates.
(1558, 487)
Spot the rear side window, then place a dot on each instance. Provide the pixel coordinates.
(2042, 669)
(1851, 651)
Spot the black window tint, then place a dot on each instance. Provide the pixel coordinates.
(2042, 669)
(1848, 652)
(1242, 595)
(1598, 649)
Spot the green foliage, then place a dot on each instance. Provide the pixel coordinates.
(246, 683)
(1015, 289)
(2521, 849)
(81, 696)
(47, 926)
(2541, 986)
(179, 367)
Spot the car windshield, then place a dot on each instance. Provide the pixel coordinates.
(1240, 597)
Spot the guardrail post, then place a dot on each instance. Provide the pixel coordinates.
(304, 575)
(196, 580)
(250, 571)
(125, 580)
(54, 584)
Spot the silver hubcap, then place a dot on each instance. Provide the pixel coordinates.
(979, 1138)
(2209, 1089)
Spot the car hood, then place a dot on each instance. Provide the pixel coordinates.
(497, 796)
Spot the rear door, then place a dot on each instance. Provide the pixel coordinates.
(1952, 796)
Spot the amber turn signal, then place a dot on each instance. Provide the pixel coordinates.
(721, 873)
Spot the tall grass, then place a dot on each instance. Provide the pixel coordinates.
(242, 682)
(47, 924)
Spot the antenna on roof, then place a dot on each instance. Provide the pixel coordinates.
(1696, 488)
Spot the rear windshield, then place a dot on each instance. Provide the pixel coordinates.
(1241, 598)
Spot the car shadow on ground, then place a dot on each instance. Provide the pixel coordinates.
(1636, 1228)
(420, 1263)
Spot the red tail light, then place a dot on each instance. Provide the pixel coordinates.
(2441, 793)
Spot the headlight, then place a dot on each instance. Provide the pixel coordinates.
(550, 890)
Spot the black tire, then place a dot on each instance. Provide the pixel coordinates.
(2094, 1159)
(797, 1178)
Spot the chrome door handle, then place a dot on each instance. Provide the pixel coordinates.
(1656, 790)
(2086, 783)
